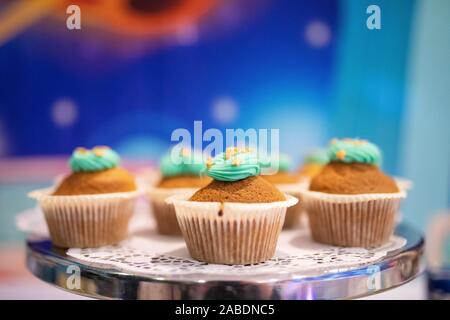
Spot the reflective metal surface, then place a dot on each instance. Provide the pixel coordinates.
(55, 267)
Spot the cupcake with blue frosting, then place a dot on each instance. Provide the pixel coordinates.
(95, 171)
(92, 206)
(237, 218)
(351, 202)
(181, 171)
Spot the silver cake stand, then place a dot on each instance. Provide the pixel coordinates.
(53, 266)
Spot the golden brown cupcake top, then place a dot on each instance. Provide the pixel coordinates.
(105, 181)
(253, 189)
(184, 181)
(352, 178)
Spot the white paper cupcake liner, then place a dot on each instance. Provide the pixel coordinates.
(164, 213)
(293, 214)
(81, 221)
(230, 233)
(365, 220)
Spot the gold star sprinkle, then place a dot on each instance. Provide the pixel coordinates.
(340, 154)
(236, 162)
(81, 150)
(99, 151)
(231, 151)
(209, 162)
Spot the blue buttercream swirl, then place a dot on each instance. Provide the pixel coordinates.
(354, 150)
(233, 165)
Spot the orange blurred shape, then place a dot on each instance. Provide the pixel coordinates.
(130, 17)
(143, 17)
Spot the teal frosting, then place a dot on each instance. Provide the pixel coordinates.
(353, 150)
(318, 157)
(234, 165)
(96, 159)
(184, 163)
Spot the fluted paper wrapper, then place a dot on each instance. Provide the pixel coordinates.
(164, 213)
(86, 221)
(365, 220)
(293, 214)
(231, 233)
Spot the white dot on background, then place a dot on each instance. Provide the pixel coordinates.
(187, 34)
(318, 34)
(225, 110)
(64, 112)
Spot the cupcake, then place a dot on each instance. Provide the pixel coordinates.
(180, 174)
(289, 183)
(92, 206)
(313, 164)
(351, 202)
(235, 219)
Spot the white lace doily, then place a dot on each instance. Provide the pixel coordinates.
(149, 254)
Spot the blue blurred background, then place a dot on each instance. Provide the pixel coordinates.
(310, 68)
